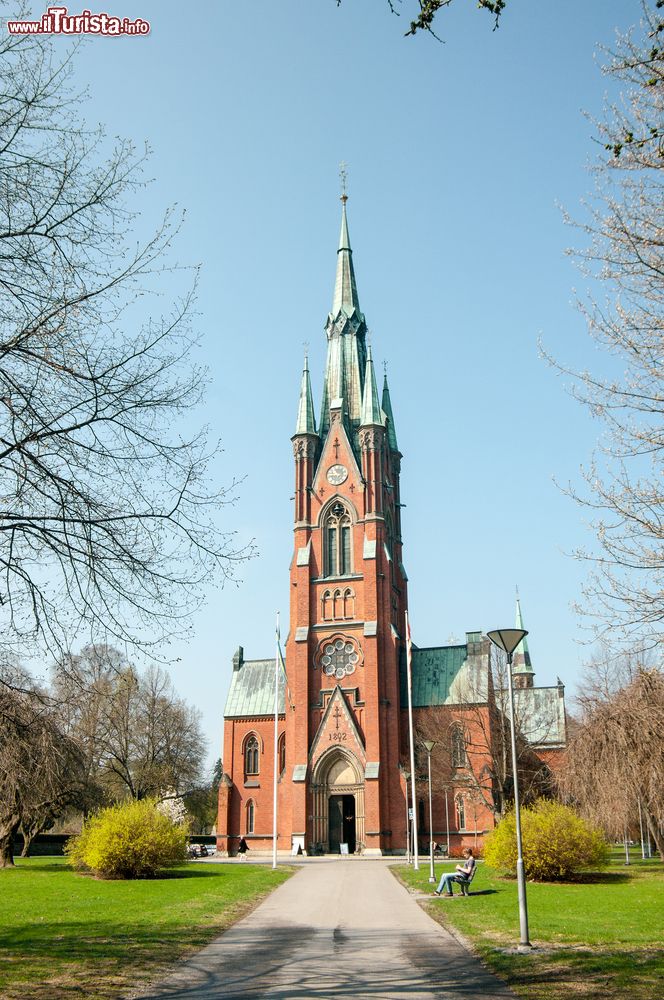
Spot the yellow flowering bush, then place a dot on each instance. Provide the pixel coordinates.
(130, 840)
(556, 843)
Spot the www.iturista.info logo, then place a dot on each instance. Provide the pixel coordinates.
(58, 21)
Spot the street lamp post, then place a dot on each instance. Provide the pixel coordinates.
(508, 639)
(406, 775)
(428, 746)
(447, 821)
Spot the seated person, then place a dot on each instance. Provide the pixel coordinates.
(462, 874)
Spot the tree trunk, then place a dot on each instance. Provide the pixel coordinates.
(8, 827)
(655, 833)
(27, 841)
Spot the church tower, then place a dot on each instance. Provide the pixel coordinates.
(341, 701)
(347, 598)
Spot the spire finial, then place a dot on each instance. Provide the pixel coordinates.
(343, 177)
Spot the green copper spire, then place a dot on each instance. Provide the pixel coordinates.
(371, 411)
(346, 346)
(521, 661)
(387, 410)
(345, 289)
(306, 422)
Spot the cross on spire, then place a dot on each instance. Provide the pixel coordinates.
(343, 177)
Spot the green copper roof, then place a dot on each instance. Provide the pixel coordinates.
(371, 411)
(522, 664)
(252, 689)
(386, 405)
(306, 421)
(445, 675)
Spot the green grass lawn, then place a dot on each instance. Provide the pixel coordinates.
(597, 939)
(63, 934)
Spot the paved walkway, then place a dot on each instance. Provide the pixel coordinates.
(338, 928)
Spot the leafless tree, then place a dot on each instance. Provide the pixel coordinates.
(138, 737)
(615, 761)
(41, 769)
(625, 253)
(108, 523)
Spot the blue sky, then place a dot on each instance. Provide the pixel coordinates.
(460, 157)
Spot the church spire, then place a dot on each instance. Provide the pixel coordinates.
(306, 421)
(371, 411)
(522, 665)
(346, 348)
(345, 288)
(386, 405)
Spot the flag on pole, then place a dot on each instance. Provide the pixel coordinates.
(416, 860)
(282, 665)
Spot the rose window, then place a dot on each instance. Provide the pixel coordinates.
(338, 657)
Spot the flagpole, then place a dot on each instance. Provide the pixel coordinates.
(276, 749)
(416, 860)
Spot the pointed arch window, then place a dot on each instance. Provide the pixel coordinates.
(250, 816)
(460, 808)
(281, 753)
(251, 755)
(327, 607)
(337, 541)
(349, 603)
(458, 746)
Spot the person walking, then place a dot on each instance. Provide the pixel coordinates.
(242, 849)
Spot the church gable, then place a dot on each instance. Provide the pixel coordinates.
(337, 729)
(338, 471)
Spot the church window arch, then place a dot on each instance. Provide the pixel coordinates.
(326, 606)
(281, 753)
(460, 808)
(251, 755)
(338, 604)
(337, 541)
(250, 815)
(349, 603)
(458, 746)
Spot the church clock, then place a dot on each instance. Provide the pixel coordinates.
(337, 474)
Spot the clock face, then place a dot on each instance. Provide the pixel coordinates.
(337, 474)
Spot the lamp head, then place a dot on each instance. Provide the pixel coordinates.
(507, 639)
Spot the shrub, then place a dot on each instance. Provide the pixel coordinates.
(131, 840)
(556, 843)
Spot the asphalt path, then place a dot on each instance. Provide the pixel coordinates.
(341, 927)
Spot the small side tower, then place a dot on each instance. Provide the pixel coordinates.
(522, 670)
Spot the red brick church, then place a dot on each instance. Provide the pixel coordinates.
(343, 728)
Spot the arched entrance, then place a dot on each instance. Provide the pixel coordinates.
(338, 794)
